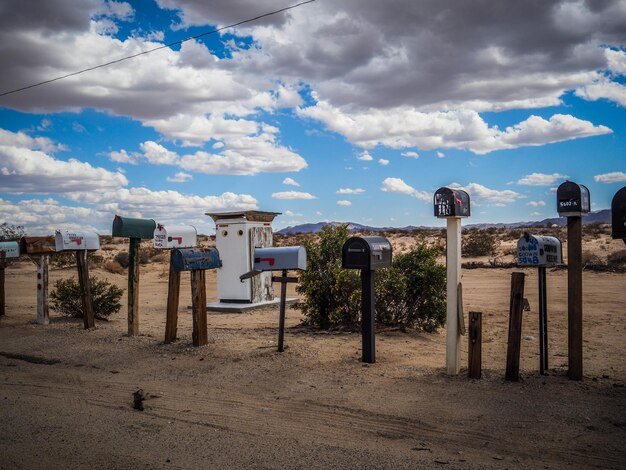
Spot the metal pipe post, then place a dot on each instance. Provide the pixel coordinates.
(367, 316)
(543, 321)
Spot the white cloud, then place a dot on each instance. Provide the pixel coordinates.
(290, 182)
(343, 202)
(366, 157)
(22, 140)
(291, 214)
(350, 191)
(536, 203)
(179, 177)
(541, 179)
(614, 177)
(479, 194)
(292, 195)
(383, 162)
(122, 156)
(397, 185)
(440, 154)
(410, 154)
(535, 213)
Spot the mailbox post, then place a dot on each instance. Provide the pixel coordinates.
(80, 243)
(618, 217)
(540, 252)
(7, 250)
(367, 254)
(452, 205)
(573, 202)
(173, 237)
(41, 248)
(197, 261)
(135, 229)
(278, 259)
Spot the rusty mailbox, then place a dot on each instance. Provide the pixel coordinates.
(66, 240)
(38, 245)
(618, 215)
(451, 203)
(175, 236)
(189, 259)
(572, 199)
(10, 249)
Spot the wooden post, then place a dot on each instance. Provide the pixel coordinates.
(574, 298)
(515, 327)
(173, 293)
(3, 265)
(133, 287)
(198, 306)
(85, 288)
(453, 266)
(43, 312)
(474, 350)
(368, 323)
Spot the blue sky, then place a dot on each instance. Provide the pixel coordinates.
(346, 111)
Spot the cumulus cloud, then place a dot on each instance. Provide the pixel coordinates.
(383, 162)
(613, 177)
(397, 185)
(343, 202)
(292, 195)
(410, 154)
(366, 157)
(536, 203)
(440, 154)
(290, 182)
(350, 191)
(481, 194)
(179, 177)
(541, 179)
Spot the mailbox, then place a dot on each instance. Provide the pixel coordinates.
(65, 240)
(451, 203)
(572, 199)
(279, 258)
(540, 251)
(133, 228)
(175, 236)
(38, 245)
(366, 253)
(10, 249)
(618, 217)
(190, 259)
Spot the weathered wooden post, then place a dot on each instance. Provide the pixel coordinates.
(573, 202)
(367, 254)
(540, 252)
(171, 238)
(40, 248)
(474, 349)
(136, 230)
(515, 327)
(80, 243)
(618, 215)
(278, 259)
(197, 261)
(452, 205)
(7, 250)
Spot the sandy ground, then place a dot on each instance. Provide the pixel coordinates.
(66, 393)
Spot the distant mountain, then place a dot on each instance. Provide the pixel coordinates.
(597, 217)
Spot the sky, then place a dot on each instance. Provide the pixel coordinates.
(342, 110)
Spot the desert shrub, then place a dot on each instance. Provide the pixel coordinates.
(409, 294)
(617, 259)
(66, 298)
(160, 257)
(11, 233)
(95, 259)
(63, 259)
(478, 243)
(122, 259)
(412, 293)
(113, 267)
(589, 258)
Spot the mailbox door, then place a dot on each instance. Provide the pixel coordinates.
(572, 199)
(618, 214)
(133, 228)
(355, 254)
(10, 249)
(451, 203)
(38, 245)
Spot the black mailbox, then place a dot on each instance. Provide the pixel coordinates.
(451, 203)
(572, 200)
(618, 217)
(366, 253)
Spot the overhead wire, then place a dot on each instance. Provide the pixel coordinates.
(122, 59)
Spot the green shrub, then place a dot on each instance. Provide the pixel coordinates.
(478, 243)
(66, 298)
(409, 294)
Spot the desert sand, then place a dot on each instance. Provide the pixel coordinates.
(66, 393)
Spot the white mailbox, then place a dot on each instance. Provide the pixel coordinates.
(279, 258)
(540, 251)
(175, 236)
(10, 249)
(65, 240)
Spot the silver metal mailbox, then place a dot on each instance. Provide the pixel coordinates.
(10, 249)
(65, 240)
(540, 251)
(279, 258)
(175, 236)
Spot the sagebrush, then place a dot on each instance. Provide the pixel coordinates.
(66, 298)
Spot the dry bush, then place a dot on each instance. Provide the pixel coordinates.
(122, 258)
(160, 257)
(617, 259)
(590, 258)
(113, 267)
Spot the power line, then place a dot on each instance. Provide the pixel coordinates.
(250, 20)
